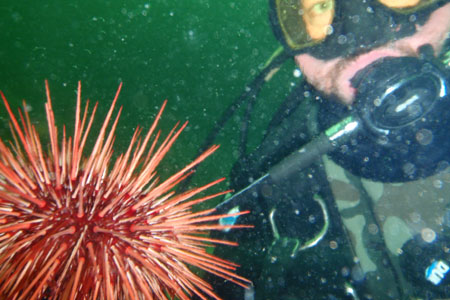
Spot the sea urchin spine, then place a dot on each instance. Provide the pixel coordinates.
(81, 227)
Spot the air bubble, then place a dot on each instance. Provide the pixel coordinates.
(438, 183)
(342, 39)
(428, 235)
(424, 137)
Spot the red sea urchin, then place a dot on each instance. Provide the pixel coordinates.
(80, 227)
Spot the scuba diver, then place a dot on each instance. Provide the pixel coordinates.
(349, 189)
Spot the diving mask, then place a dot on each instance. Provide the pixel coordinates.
(300, 24)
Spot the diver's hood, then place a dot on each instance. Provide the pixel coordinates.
(404, 107)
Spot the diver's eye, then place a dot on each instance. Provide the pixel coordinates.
(322, 7)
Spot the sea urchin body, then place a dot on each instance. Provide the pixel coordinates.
(75, 226)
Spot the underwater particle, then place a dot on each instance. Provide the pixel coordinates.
(424, 137)
(409, 168)
(438, 183)
(428, 235)
(249, 293)
(373, 229)
(297, 73)
(76, 226)
(357, 273)
(333, 245)
(345, 272)
(342, 39)
(415, 217)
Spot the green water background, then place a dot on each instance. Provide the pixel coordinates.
(198, 54)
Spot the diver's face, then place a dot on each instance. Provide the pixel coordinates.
(317, 15)
(332, 77)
